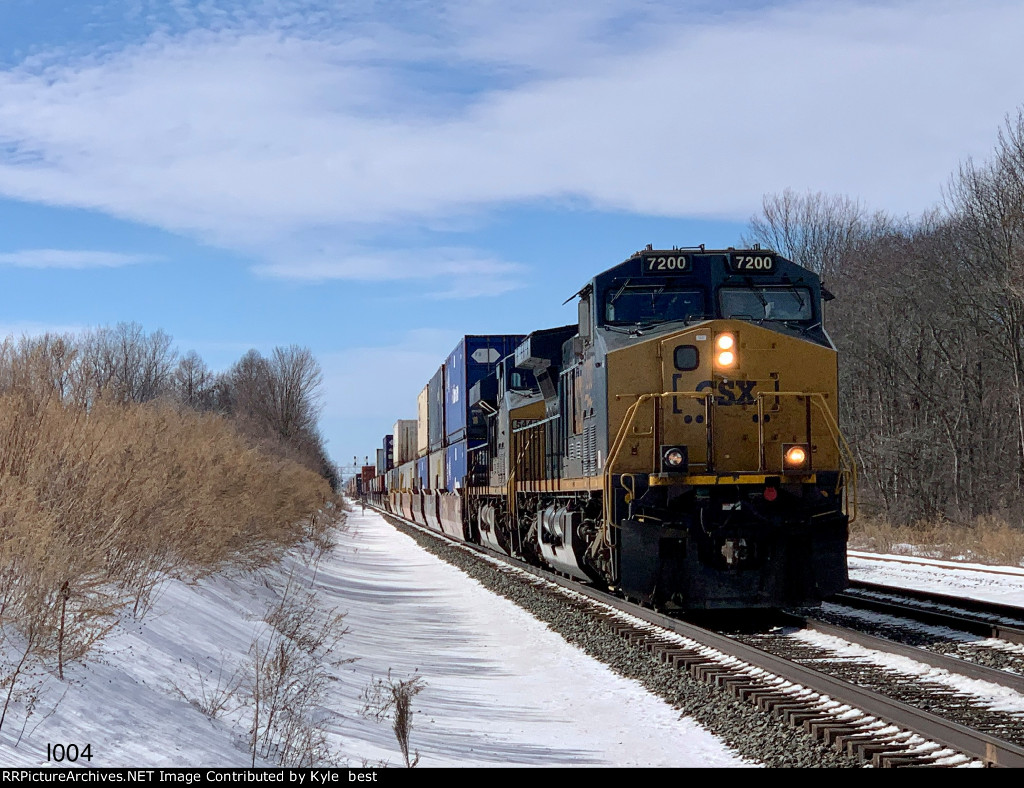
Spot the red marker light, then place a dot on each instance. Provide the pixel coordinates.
(770, 493)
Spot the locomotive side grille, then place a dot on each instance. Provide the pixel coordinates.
(590, 450)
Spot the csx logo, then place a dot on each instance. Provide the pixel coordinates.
(730, 392)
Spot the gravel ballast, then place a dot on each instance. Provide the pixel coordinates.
(754, 735)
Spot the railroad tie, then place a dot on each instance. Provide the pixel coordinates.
(784, 708)
(687, 660)
(708, 672)
(866, 747)
(732, 683)
(904, 760)
(802, 718)
(768, 699)
(669, 654)
(658, 645)
(828, 730)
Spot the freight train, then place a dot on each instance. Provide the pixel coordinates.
(678, 444)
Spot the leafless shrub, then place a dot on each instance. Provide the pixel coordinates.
(26, 665)
(393, 697)
(103, 496)
(216, 689)
(287, 678)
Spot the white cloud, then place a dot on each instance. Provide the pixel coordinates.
(248, 139)
(27, 328)
(70, 258)
(466, 274)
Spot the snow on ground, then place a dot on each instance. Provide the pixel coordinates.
(1000, 584)
(500, 687)
(1003, 585)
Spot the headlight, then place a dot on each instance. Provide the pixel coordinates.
(725, 350)
(796, 456)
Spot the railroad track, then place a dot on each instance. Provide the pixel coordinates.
(801, 686)
(986, 619)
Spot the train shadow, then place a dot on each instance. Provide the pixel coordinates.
(741, 622)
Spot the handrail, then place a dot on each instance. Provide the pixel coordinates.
(613, 451)
(844, 453)
(510, 485)
(846, 459)
(537, 423)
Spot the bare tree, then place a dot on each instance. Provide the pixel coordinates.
(295, 381)
(988, 203)
(815, 230)
(277, 399)
(128, 363)
(193, 382)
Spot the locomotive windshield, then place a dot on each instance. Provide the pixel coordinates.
(767, 303)
(628, 304)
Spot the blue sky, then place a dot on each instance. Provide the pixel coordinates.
(375, 179)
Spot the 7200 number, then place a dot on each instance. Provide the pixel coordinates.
(668, 264)
(753, 262)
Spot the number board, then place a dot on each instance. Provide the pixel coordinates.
(668, 264)
(752, 262)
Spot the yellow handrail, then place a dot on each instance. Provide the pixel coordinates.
(846, 459)
(510, 485)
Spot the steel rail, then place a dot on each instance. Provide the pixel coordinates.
(975, 626)
(973, 605)
(1014, 681)
(989, 749)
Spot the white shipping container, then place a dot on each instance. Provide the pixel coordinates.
(436, 466)
(406, 472)
(422, 436)
(404, 447)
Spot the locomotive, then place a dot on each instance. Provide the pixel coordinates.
(678, 445)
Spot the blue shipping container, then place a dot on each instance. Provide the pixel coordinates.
(455, 476)
(474, 358)
(423, 473)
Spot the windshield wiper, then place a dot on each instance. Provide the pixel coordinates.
(619, 292)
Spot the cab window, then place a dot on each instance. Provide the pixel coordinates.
(766, 303)
(630, 305)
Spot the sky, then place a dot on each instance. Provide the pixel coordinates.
(377, 178)
(499, 687)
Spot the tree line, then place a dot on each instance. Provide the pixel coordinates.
(122, 464)
(929, 323)
(273, 400)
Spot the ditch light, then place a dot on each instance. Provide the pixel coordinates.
(674, 459)
(796, 456)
